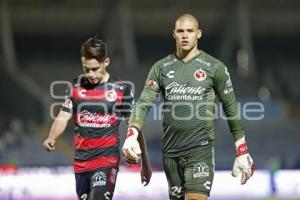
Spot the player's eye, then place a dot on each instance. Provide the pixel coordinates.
(85, 70)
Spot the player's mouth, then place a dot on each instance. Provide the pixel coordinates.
(184, 43)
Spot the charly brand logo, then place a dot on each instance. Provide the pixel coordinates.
(200, 75)
(170, 74)
(176, 91)
(200, 170)
(111, 95)
(82, 92)
(88, 119)
(99, 179)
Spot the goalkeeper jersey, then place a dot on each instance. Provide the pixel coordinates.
(188, 90)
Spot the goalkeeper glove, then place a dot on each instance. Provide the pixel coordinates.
(243, 165)
(131, 148)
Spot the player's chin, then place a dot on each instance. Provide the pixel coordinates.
(186, 47)
(94, 81)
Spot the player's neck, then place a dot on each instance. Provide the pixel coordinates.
(186, 56)
(105, 78)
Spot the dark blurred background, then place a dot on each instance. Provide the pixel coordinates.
(258, 40)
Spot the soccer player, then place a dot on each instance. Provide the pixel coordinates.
(189, 81)
(97, 102)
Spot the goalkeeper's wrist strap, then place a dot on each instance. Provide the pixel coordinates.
(241, 147)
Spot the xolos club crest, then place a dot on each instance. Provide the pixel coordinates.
(111, 95)
(200, 75)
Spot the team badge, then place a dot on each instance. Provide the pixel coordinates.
(98, 179)
(201, 170)
(111, 95)
(200, 75)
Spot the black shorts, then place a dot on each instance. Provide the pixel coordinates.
(96, 185)
(192, 173)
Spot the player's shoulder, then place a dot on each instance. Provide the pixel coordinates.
(118, 83)
(77, 82)
(166, 61)
(210, 61)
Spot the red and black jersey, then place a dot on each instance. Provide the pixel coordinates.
(97, 112)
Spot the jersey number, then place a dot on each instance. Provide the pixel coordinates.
(176, 191)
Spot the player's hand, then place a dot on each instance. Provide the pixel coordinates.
(130, 161)
(131, 148)
(146, 173)
(243, 165)
(49, 144)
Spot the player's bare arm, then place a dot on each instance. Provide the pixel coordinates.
(146, 171)
(58, 127)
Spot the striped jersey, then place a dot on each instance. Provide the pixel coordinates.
(97, 112)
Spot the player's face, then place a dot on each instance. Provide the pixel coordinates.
(94, 70)
(186, 34)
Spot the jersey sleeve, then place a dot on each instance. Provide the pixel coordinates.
(148, 96)
(224, 90)
(67, 106)
(127, 102)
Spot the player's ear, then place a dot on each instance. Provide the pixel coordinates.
(199, 34)
(106, 62)
(173, 34)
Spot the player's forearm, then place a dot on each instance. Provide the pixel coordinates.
(142, 108)
(57, 128)
(59, 125)
(234, 118)
(144, 155)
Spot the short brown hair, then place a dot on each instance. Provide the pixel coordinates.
(94, 48)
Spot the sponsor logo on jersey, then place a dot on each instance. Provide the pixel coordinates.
(200, 75)
(227, 91)
(176, 91)
(121, 87)
(207, 64)
(99, 120)
(228, 83)
(176, 88)
(201, 170)
(98, 179)
(111, 95)
(170, 62)
(151, 84)
(226, 71)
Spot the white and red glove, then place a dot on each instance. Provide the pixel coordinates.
(243, 165)
(131, 148)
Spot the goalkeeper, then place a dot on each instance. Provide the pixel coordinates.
(189, 81)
